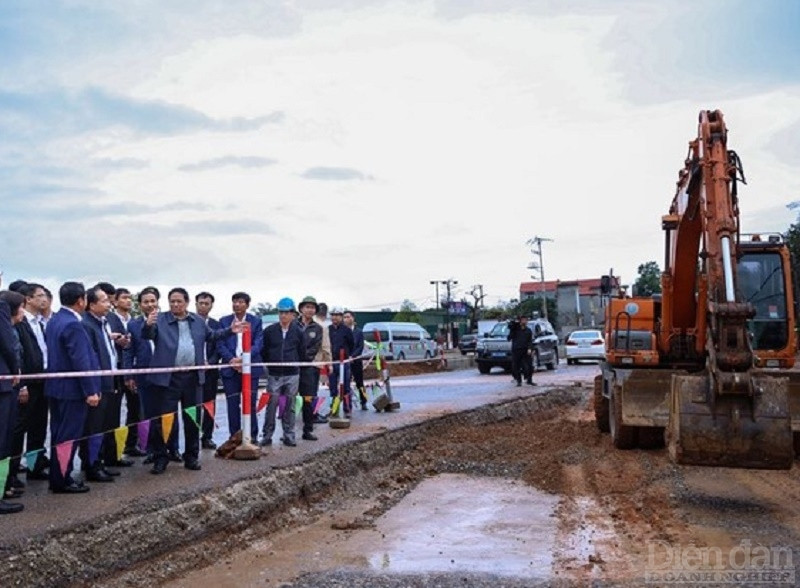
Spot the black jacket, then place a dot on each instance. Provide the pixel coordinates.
(341, 338)
(312, 335)
(280, 349)
(32, 358)
(521, 338)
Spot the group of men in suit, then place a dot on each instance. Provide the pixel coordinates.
(94, 330)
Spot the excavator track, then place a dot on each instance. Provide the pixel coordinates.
(730, 430)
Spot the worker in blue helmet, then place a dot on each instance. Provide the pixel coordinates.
(283, 349)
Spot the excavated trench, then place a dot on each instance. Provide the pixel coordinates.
(169, 537)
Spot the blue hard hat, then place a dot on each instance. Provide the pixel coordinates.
(285, 305)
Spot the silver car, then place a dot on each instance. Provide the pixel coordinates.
(585, 344)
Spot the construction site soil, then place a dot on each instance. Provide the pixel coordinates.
(619, 516)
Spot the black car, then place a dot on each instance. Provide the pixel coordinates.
(467, 342)
(494, 348)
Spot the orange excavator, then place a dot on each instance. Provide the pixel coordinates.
(705, 365)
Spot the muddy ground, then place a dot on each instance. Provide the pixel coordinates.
(620, 514)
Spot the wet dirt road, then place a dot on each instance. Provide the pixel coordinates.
(539, 499)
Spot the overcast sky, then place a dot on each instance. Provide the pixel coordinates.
(356, 150)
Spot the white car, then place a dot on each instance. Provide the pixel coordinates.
(585, 344)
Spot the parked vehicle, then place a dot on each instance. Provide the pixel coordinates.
(467, 343)
(400, 340)
(494, 349)
(585, 344)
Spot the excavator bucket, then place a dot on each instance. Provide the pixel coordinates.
(730, 430)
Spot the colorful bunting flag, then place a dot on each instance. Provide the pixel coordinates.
(263, 400)
(31, 457)
(4, 471)
(143, 428)
(298, 404)
(378, 360)
(192, 412)
(318, 404)
(95, 441)
(210, 407)
(166, 425)
(63, 455)
(281, 405)
(335, 407)
(120, 436)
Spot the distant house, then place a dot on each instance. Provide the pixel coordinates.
(580, 303)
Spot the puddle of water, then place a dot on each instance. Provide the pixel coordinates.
(461, 523)
(449, 523)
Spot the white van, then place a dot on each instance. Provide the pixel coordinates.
(399, 340)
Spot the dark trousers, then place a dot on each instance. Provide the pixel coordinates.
(357, 367)
(233, 398)
(309, 384)
(111, 420)
(521, 365)
(95, 423)
(8, 416)
(150, 405)
(133, 415)
(210, 394)
(67, 420)
(31, 421)
(183, 390)
(333, 379)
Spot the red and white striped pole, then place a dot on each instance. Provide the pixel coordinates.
(246, 343)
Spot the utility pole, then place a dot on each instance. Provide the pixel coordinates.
(448, 283)
(438, 302)
(536, 248)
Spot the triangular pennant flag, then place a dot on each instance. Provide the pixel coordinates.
(335, 407)
(192, 412)
(120, 436)
(281, 405)
(63, 454)
(166, 425)
(318, 404)
(378, 361)
(263, 400)
(31, 457)
(210, 406)
(4, 471)
(143, 428)
(298, 404)
(94, 447)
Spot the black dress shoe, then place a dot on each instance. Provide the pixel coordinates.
(310, 437)
(208, 444)
(192, 464)
(135, 452)
(289, 442)
(10, 507)
(99, 476)
(15, 482)
(265, 442)
(175, 456)
(70, 489)
(159, 467)
(121, 463)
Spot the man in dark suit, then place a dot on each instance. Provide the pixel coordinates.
(230, 352)
(180, 341)
(68, 350)
(31, 418)
(9, 365)
(204, 302)
(113, 410)
(100, 420)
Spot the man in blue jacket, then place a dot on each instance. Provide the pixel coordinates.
(204, 302)
(68, 350)
(230, 353)
(180, 338)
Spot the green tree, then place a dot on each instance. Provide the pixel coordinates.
(648, 281)
(792, 238)
(261, 308)
(409, 313)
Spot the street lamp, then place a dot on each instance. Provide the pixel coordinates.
(536, 249)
